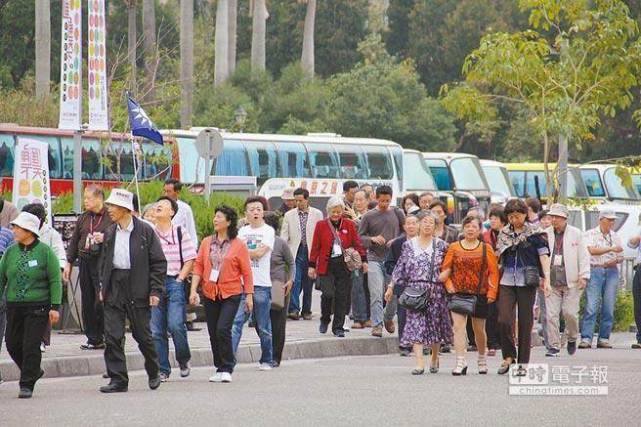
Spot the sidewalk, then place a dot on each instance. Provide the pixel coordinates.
(64, 358)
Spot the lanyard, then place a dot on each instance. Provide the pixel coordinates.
(558, 244)
(173, 237)
(91, 227)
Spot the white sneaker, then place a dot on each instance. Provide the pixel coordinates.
(265, 367)
(226, 377)
(43, 347)
(346, 324)
(217, 378)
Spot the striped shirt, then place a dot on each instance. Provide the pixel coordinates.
(171, 248)
(6, 239)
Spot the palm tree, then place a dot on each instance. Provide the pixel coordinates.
(186, 61)
(43, 47)
(258, 9)
(233, 28)
(221, 70)
(307, 57)
(149, 45)
(132, 43)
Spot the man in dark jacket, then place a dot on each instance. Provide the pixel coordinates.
(132, 273)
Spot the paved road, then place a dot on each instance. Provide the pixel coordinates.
(354, 391)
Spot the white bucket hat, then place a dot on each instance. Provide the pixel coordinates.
(558, 209)
(29, 222)
(122, 198)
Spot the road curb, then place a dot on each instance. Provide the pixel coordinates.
(94, 364)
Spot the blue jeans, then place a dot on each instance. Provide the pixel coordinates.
(169, 315)
(377, 279)
(262, 306)
(359, 301)
(601, 290)
(302, 283)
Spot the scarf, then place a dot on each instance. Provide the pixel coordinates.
(509, 238)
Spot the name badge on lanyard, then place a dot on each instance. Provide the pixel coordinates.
(337, 250)
(213, 276)
(558, 260)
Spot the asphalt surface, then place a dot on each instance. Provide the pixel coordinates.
(349, 391)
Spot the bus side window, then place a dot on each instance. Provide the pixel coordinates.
(292, 160)
(232, 161)
(517, 178)
(323, 160)
(157, 161)
(7, 147)
(91, 165)
(379, 162)
(353, 162)
(533, 178)
(262, 158)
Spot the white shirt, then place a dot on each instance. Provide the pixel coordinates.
(51, 237)
(185, 219)
(254, 237)
(121, 247)
(596, 239)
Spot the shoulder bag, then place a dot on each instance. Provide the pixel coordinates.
(414, 298)
(351, 256)
(466, 303)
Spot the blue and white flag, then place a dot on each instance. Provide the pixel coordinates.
(140, 123)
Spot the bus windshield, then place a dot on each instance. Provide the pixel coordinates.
(441, 173)
(593, 183)
(417, 176)
(615, 187)
(497, 180)
(467, 174)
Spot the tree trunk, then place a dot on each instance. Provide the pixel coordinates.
(307, 57)
(132, 43)
(259, 18)
(149, 46)
(221, 70)
(186, 61)
(233, 28)
(43, 48)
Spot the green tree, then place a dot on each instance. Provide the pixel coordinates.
(579, 61)
(384, 98)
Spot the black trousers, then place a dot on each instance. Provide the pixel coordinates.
(92, 307)
(25, 326)
(118, 308)
(220, 316)
(339, 280)
(636, 298)
(491, 326)
(279, 322)
(510, 297)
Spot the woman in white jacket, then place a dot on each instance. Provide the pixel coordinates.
(570, 272)
(51, 237)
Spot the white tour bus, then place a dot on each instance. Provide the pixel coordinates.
(318, 162)
(417, 177)
(498, 181)
(602, 181)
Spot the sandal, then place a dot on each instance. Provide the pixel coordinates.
(482, 364)
(434, 367)
(417, 371)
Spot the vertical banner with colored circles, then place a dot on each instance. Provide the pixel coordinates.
(97, 66)
(31, 175)
(71, 66)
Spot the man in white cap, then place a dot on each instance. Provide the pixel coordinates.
(132, 277)
(606, 252)
(289, 201)
(569, 274)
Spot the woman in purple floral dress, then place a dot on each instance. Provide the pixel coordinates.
(419, 266)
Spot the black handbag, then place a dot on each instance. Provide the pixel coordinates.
(466, 303)
(414, 298)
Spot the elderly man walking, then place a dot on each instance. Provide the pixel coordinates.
(604, 245)
(569, 274)
(133, 270)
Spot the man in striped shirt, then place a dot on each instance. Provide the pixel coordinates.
(180, 253)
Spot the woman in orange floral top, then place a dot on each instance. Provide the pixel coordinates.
(461, 271)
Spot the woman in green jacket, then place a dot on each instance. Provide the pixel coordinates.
(30, 276)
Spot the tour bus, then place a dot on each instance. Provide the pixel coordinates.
(528, 180)
(318, 162)
(106, 157)
(460, 175)
(498, 181)
(602, 181)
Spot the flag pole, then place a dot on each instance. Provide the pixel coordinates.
(133, 154)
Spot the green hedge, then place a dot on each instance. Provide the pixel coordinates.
(623, 312)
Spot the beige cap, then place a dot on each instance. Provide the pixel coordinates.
(122, 198)
(288, 193)
(607, 214)
(559, 209)
(28, 221)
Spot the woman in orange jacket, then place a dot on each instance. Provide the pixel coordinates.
(470, 267)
